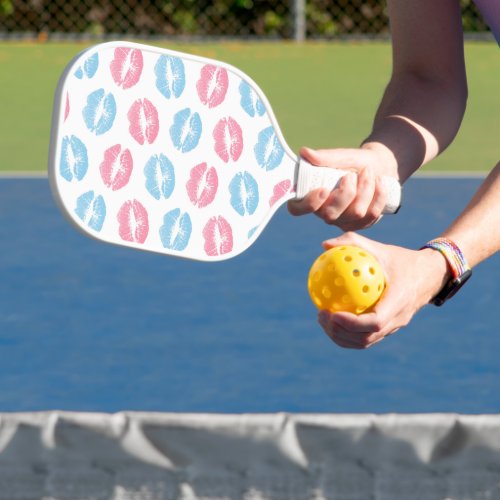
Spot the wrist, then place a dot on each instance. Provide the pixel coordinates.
(457, 265)
(437, 273)
(388, 165)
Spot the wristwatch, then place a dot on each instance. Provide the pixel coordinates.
(459, 267)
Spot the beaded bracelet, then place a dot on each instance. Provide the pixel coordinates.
(459, 267)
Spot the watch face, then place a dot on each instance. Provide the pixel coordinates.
(451, 288)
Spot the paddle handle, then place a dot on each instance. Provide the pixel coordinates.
(311, 177)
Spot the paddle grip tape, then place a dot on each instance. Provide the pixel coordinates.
(311, 177)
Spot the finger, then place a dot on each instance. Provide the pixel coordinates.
(341, 336)
(361, 340)
(311, 203)
(357, 215)
(362, 324)
(379, 200)
(339, 199)
(347, 238)
(364, 194)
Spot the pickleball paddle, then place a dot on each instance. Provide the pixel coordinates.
(172, 153)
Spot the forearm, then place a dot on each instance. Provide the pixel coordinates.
(424, 102)
(416, 121)
(477, 230)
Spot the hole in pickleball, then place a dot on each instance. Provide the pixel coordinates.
(327, 293)
(356, 273)
(366, 289)
(348, 258)
(379, 287)
(339, 281)
(362, 254)
(317, 300)
(372, 270)
(317, 276)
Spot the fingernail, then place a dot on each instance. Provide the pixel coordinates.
(324, 193)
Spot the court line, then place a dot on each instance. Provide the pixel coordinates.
(12, 174)
(431, 174)
(452, 174)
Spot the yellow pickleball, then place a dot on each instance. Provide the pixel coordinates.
(346, 278)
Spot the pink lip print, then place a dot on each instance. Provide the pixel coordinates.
(133, 222)
(212, 85)
(126, 67)
(279, 191)
(116, 167)
(67, 107)
(202, 185)
(144, 124)
(228, 139)
(218, 237)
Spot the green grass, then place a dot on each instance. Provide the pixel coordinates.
(323, 94)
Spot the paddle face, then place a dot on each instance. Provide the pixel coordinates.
(166, 152)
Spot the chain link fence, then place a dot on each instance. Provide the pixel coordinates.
(285, 19)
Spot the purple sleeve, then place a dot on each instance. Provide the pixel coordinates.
(490, 9)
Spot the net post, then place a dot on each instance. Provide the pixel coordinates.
(299, 20)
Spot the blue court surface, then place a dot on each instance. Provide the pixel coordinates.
(87, 326)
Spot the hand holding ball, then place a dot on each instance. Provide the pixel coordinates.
(346, 278)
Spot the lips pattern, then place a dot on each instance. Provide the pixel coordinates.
(144, 123)
(133, 223)
(212, 85)
(170, 76)
(250, 101)
(174, 154)
(228, 138)
(88, 68)
(160, 177)
(74, 161)
(202, 185)
(218, 236)
(176, 230)
(91, 210)
(186, 130)
(126, 67)
(244, 193)
(116, 167)
(100, 111)
(268, 151)
(279, 191)
(67, 107)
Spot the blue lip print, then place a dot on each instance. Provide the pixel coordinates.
(244, 193)
(268, 150)
(252, 231)
(91, 210)
(160, 176)
(186, 130)
(89, 67)
(249, 101)
(100, 111)
(170, 76)
(74, 160)
(176, 230)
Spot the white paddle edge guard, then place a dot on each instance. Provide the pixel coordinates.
(310, 177)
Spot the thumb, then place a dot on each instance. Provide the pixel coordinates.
(353, 159)
(349, 238)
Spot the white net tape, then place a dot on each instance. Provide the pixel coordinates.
(155, 456)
